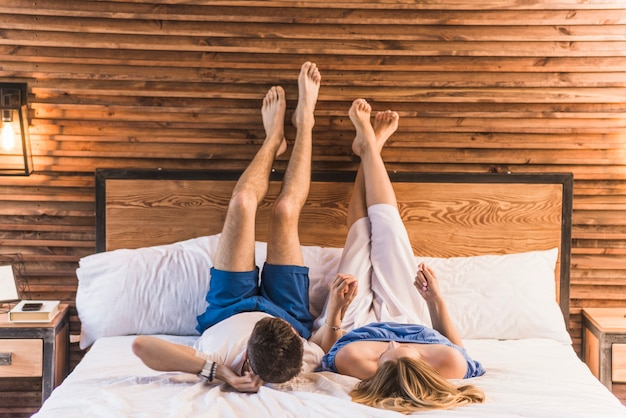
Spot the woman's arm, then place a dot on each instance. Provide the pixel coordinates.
(427, 285)
(342, 291)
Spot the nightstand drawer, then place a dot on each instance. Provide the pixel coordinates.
(24, 358)
(619, 362)
(604, 347)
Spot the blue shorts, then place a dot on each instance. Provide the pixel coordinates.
(283, 292)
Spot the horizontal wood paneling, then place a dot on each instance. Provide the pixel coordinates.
(532, 86)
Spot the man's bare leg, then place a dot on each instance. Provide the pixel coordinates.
(378, 188)
(385, 125)
(235, 250)
(283, 239)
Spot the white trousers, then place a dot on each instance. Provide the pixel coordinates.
(379, 254)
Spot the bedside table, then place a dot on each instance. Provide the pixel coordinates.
(35, 350)
(604, 347)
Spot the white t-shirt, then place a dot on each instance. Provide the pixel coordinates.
(226, 342)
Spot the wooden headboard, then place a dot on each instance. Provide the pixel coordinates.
(446, 214)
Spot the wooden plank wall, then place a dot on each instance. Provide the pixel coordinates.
(519, 86)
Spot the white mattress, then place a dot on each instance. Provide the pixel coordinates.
(525, 378)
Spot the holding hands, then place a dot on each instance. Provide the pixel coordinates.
(342, 291)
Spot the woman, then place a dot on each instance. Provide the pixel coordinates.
(402, 366)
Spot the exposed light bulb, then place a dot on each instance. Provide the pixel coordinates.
(7, 136)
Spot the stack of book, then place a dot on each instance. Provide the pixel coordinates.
(34, 311)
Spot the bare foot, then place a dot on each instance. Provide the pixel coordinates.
(273, 112)
(308, 89)
(359, 113)
(385, 124)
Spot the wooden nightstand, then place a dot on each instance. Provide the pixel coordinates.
(604, 347)
(39, 352)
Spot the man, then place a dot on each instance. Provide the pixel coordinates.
(277, 309)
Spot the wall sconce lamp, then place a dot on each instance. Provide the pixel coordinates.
(15, 155)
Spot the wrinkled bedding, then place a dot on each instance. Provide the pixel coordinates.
(525, 378)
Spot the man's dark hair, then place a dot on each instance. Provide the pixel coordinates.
(275, 350)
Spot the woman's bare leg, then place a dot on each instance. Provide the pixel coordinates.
(385, 125)
(235, 250)
(392, 259)
(355, 258)
(377, 185)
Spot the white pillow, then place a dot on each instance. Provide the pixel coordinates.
(502, 296)
(152, 290)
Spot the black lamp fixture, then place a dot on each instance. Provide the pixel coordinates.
(15, 156)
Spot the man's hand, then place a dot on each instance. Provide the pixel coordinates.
(249, 382)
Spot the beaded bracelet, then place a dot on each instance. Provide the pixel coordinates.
(208, 372)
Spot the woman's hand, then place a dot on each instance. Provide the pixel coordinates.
(426, 283)
(248, 382)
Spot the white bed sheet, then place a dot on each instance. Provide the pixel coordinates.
(525, 378)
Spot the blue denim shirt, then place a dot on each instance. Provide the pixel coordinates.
(402, 333)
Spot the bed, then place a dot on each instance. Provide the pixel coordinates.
(499, 242)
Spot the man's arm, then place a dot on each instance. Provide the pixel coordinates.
(166, 356)
(162, 355)
(342, 291)
(427, 285)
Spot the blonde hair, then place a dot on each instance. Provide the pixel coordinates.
(407, 385)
